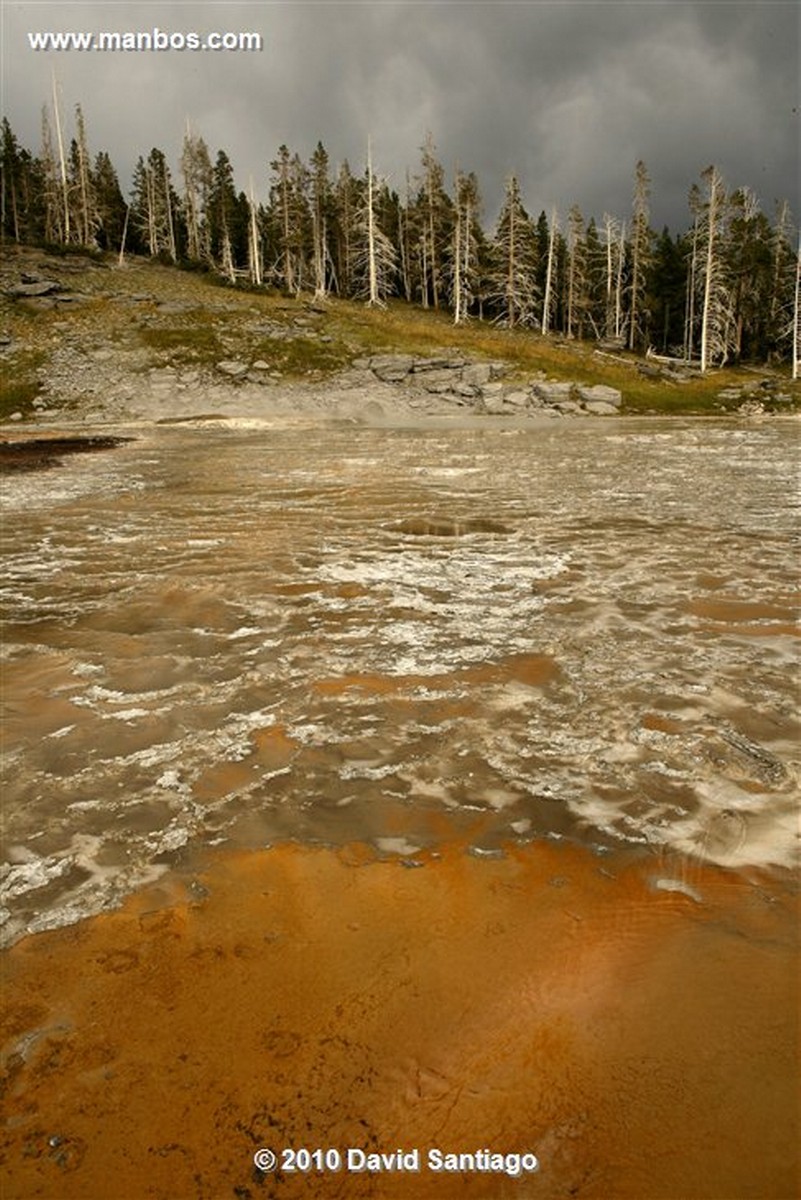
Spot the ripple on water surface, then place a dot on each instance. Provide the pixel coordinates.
(232, 637)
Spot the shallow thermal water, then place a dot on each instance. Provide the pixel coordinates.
(222, 635)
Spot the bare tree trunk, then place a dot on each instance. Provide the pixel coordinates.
(619, 283)
(457, 269)
(468, 214)
(711, 301)
(89, 217)
(710, 261)
(548, 300)
(609, 275)
(318, 248)
(403, 245)
(53, 230)
(121, 258)
(62, 162)
(254, 248)
(152, 235)
(375, 260)
(638, 246)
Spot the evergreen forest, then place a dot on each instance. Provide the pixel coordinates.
(723, 290)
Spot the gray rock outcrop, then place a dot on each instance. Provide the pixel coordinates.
(479, 385)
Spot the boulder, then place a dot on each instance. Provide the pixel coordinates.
(599, 409)
(439, 380)
(477, 374)
(600, 394)
(552, 393)
(438, 364)
(391, 368)
(233, 368)
(41, 287)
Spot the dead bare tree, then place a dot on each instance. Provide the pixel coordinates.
(375, 259)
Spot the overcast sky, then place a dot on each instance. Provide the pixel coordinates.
(568, 95)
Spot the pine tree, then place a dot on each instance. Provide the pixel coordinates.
(749, 264)
(198, 175)
(577, 295)
(436, 220)
(464, 249)
(347, 199)
(321, 217)
(405, 238)
(223, 216)
(796, 342)
(781, 255)
(13, 222)
(667, 287)
(153, 205)
(86, 220)
(640, 255)
(111, 207)
(292, 218)
(782, 321)
(595, 308)
(513, 281)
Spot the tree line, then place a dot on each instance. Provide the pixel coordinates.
(724, 290)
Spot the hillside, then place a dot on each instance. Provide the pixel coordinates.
(83, 339)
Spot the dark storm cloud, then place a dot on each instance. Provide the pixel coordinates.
(566, 95)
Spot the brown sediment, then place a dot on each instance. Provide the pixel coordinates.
(370, 684)
(274, 747)
(661, 724)
(534, 670)
(640, 1043)
(737, 611)
(755, 631)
